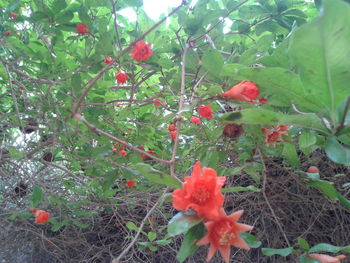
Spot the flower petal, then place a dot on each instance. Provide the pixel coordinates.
(240, 243)
(225, 253)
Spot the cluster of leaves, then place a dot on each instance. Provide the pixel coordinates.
(46, 67)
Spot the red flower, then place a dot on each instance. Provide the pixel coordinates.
(262, 100)
(82, 29)
(244, 91)
(130, 183)
(141, 51)
(41, 216)
(173, 135)
(107, 60)
(157, 104)
(224, 233)
(14, 15)
(144, 156)
(201, 192)
(119, 149)
(7, 33)
(171, 128)
(121, 77)
(205, 111)
(327, 259)
(274, 134)
(195, 120)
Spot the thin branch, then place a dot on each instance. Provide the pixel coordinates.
(126, 250)
(343, 117)
(263, 190)
(93, 81)
(116, 24)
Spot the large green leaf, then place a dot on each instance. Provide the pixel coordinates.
(321, 50)
(181, 223)
(337, 152)
(323, 247)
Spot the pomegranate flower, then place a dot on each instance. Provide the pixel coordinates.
(244, 91)
(144, 156)
(173, 135)
(82, 29)
(121, 77)
(41, 216)
(141, 51)
(224, 233)
(262, 100)
(172, 127)
(195, 120)
(130, 183)
(327, 259)
(157, 104)
(201, 192)
(107, 60)
(205, 111)
(14, 15)
(274, 134)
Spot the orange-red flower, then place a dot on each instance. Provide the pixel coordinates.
(130, 183)
(243, 91)
(144, 156)
(107, 60)
(14, 15)
(224, 233)
(41, 216)
(119, 149)
(262, 100)
(172, 127)
(327, 259)
(173, 135)
(157, 104)
(274, 134)
(82, 29)
(195, 120)
(205, 111)
(201, 192)
(141, 51)
(121, 77)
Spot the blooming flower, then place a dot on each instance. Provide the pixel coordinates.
(41, 216)
(171, 128)
(243, 91)
(130, 183)
(141, 51)
(274, 134)
(144, 156)
(157, 104)
(195, 120)
(327, 259)
(107, 60)
(262, 100)
(82, 29)
(201, 192)
(14, 15)
(121, 77)
(205, 111)
(173, 135)
(233, 130)
(224, 233)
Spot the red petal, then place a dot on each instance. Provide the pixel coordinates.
(225, 253)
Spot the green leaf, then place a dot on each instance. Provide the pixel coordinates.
(328, 69)
(303, 243)
(306, 259)
(80, 224)
(240, 189)
(151, 236)
(213, 61)
(251, 240)
(282, 252)
(58, 5)
(290, 153)
(323, 247)
(188, 246)
(131, 226)
(306, 139)
(181, 223)
(325, 187)
(337, 152)
(36, 197)
(156, 176)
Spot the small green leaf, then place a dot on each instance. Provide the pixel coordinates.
(181, 223)
(131, 226)
(151, 236)
(188, 246)
(272, 251)
(323, 247)
(303, 243)
(251, 240)
(290, 153)
(36, 197)
(306, 139)
(240, 189)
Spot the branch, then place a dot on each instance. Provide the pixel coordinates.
(93, 81)
(343, 118)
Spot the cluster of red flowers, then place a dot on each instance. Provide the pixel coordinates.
(121, 77)
(120, 149)
(244, 91)
(41, 216)
(205, 111)
(274, 134)
(157, 104)
(172, 130)
(202, 193)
